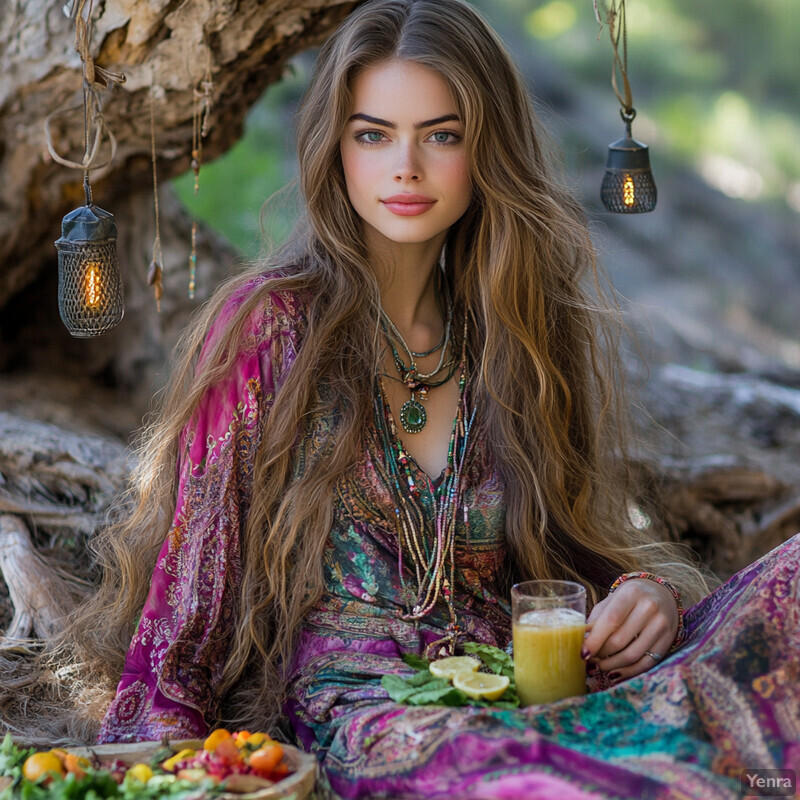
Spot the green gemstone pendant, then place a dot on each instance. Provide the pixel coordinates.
(413, 416)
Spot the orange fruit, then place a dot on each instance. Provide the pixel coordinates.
(41, 764)
(77, 765)
(215, 737)
(266, 758)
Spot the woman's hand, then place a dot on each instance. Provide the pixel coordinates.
(640, 616)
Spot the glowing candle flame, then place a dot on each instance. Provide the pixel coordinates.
(92, 285)
(628, 196)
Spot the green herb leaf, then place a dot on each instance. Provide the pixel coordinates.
(423, 678)
(415, 662)
(445, 695)
(495, 659)
(398, 688)
(422, 688)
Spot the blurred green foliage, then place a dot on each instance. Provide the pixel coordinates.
(715, 82)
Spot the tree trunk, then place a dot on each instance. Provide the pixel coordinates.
(173, 46)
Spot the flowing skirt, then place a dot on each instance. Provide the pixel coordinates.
(726, 702)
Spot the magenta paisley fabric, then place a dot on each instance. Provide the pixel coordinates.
(175, 659)
(728, 700)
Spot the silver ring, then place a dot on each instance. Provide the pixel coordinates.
(654, 656)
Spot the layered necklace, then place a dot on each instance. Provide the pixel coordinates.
(413, 416)
(426, 520)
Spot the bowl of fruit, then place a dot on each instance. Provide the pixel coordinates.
(225, 766)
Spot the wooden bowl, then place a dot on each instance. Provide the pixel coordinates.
(296, 786)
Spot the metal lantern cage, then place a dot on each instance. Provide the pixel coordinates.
(90, 297)
(628, 186)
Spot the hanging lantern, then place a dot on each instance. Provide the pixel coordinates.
(628, 186)
(90, 298)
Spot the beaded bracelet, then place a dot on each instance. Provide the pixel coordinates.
(681, 634)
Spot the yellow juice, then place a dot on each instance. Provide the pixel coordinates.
(547, 655)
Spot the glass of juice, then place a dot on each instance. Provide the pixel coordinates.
(549, 623)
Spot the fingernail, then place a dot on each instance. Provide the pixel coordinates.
(585, 654)
(613, 676)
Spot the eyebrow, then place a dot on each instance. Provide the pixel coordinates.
(428, 123)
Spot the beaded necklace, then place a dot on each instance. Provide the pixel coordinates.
(413, 416)
(426, 521)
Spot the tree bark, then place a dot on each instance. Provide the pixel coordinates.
(719, 455)
(170, 46)
(41, 598)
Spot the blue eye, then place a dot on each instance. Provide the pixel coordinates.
(444, 137)
(369, 137)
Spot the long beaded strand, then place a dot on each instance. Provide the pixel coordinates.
(431, 568)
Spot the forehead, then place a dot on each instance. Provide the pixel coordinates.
(402, 89)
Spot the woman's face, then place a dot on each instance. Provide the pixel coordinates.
(403, 153)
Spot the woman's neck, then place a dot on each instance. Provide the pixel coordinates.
(407, 283)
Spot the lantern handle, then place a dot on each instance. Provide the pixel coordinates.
(628, 116)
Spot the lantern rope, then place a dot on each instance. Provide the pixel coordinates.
(615, 20)
(93, 118)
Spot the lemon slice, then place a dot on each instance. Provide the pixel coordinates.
(453, 665)
(481, 685)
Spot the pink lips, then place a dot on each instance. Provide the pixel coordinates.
(408, 205)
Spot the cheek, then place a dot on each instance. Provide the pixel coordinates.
(357, 171)
(460, 182)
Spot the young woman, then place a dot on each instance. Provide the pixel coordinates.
(368, 439)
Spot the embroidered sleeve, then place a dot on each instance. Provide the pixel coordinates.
(176, 658)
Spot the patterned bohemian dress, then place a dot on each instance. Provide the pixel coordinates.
(728, 700)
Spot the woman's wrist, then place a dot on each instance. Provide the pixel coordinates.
(680, 635)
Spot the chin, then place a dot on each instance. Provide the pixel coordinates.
(411, 234)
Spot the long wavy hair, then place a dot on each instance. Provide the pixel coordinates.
(545, 366)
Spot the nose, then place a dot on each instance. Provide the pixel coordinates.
(407, 167)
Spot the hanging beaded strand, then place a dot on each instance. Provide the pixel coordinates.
(155, 270)
(200, 113)
(196, 157)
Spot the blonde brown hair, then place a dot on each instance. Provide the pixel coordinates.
(544, 379)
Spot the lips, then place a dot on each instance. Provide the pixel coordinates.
(408, 205)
